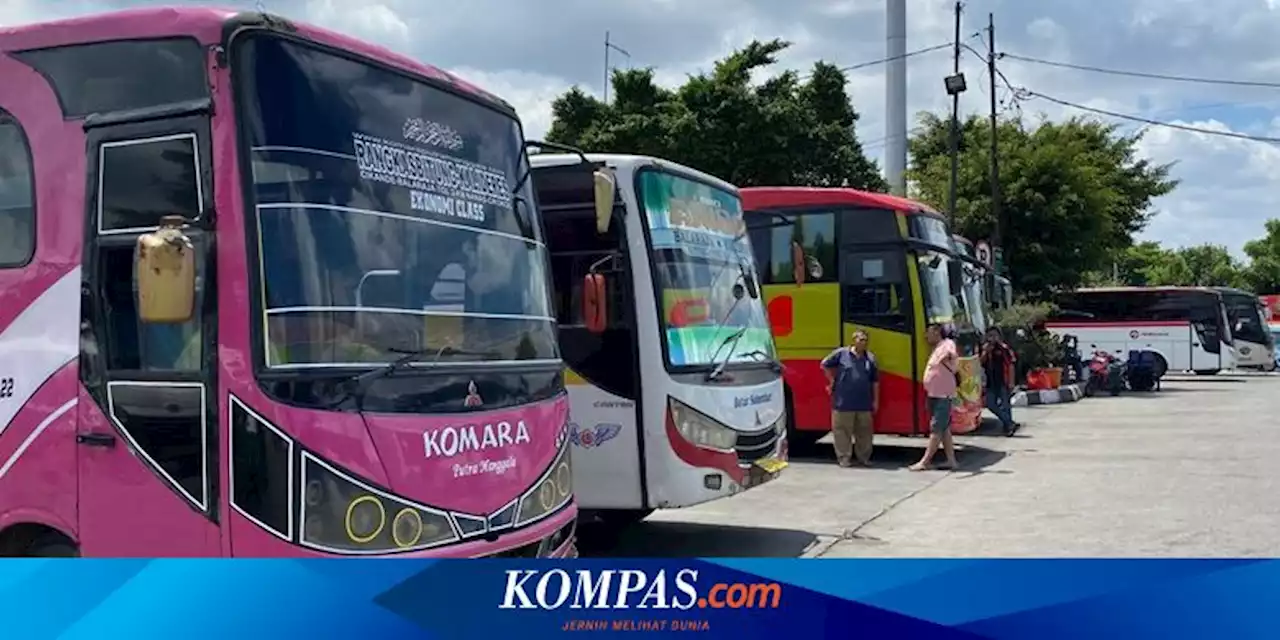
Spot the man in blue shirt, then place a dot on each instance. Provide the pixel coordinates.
(854, 384)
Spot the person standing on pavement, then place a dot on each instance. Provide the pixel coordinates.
(854, 384)
(997, 363)
(940, 383)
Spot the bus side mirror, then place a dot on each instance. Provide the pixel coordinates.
(165, 270)
(799, 263)
(604, 192)
(594, 312)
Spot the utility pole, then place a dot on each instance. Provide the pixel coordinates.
(955, 86)
(996, 210)
(895, 106)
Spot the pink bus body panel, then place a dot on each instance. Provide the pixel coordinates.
(109, 500)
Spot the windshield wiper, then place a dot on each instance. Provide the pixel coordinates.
(732, 342)
(760, 356)
(358, 384)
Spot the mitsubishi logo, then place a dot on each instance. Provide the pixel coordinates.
(473, 398)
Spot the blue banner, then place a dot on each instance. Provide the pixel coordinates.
(773, 599)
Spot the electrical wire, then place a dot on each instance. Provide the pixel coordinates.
(909, 54)
(879, 61)
(1027, 93)
(1140, 74)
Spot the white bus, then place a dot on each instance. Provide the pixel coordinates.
(675, 390)
(1250, 336)
(1186, 326)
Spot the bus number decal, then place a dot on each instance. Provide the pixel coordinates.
(6, 388)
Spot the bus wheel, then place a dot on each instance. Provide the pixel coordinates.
(619, 519)
(56, 547)
(799, 443)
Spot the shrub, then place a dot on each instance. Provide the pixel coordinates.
(1023, 328)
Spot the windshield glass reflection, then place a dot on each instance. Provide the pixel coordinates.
(935, 286)
(699, 252)
(385, 220)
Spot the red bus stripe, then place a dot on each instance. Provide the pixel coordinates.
(1143, 323)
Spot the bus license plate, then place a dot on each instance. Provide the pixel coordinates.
(771, 466)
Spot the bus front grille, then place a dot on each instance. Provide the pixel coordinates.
(754, 446)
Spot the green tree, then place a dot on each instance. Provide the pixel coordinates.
(1074, 193)
(1263, 273)
(784, 131)
(1211, 265)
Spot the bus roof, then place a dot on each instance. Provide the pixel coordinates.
(208, 26)
(770, 197)
(628, 162)
(1143, 290)
(1237, 292)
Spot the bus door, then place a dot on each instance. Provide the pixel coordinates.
(148, 413)
(602, 373)
(1210, 335)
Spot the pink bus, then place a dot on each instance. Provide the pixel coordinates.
(266, 290)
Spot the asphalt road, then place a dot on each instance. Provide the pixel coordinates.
(1187, 471)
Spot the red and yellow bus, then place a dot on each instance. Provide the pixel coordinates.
(834, 261)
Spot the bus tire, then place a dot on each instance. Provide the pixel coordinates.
(799, 443)
(619, 519)
(52, 545)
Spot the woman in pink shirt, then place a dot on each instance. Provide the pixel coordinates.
(940, 388)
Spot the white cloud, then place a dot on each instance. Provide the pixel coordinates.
(530, 52)
(530, 93)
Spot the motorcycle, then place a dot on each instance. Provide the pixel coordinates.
(1105, 372)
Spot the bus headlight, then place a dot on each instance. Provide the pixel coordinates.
(701, 429)
(550, 493)
(342, 514)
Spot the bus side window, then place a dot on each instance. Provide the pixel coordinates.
(17, 196)
(874, 289)
(140, 181)
(816, 233)
(762, 247)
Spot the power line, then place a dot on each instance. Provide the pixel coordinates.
(879, 61)
(1027, 93)
(872, 63)
(1140, 74)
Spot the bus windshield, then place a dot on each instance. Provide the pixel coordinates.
(974, 293)
(699, 251)
(384, 217)
(1245, 314)
(935, 287)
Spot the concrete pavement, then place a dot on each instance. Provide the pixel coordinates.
(1188, 471)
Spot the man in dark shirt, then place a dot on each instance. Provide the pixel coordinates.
(854, 384)
(997, 363)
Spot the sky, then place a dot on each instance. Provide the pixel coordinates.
(530, 51)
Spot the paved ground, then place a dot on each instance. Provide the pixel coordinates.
(1189, 471)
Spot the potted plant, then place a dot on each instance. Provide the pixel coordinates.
(1035, 348)
(1044, 364)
